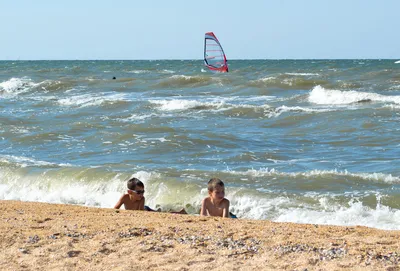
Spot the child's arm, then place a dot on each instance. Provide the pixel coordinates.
(120, 202)
(225, 211)
(203, 210)
(141, 204)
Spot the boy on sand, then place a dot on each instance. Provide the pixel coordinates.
(134, 199)
(215, 204)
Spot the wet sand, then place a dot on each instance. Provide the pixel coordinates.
(41, 236)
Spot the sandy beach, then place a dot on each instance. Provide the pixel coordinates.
(42, 236)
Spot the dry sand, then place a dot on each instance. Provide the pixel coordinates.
(41, 236)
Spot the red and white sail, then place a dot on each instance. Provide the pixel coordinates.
(214, 56)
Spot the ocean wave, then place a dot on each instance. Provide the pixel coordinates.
(167, 71)
(355, 214)
(395, 87)
(101, 187)
(302, 74)
(67, 185)
(316, 209)
(139, 118)
(16, 86)
(374, 177)
(180, 105)
(24, 85)
(139, 71)
(248, 107)
(97, 187)
(287, 81)
(176, 81)
(118, 80)
(87, 100)
(392, 106)
(236, 105)
(268, 111)
(346, 85)
(296, 109)
(320, 95)
(21, 161)
(56, 85)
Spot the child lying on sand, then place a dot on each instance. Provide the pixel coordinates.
(134, 198)
(216, 204)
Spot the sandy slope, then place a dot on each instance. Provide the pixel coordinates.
(39, 236)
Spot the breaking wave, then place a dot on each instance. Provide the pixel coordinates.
(320, 95)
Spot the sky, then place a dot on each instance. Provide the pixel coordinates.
(174, 29)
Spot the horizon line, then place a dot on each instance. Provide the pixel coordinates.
(190, 59)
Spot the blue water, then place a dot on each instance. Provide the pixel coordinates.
(306, 141)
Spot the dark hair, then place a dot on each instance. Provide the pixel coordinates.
(213, 183)
(133, 182)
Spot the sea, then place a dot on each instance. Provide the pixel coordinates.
(303, 141)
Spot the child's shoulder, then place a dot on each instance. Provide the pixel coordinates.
(125, 196)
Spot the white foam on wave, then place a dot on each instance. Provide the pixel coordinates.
(193, 79)
(137, 118)
(247, 99)
(382, 217)
(216, 103)
(153, 139)
(302, 74)
(17, 130)
(324, 212)
(181, 76)
(46, 187)
(22, 161)
(376, 176)
(86, 100)
(15, 86)
(175, 104)
(253, 207)
(284, 109)
(393, 106)
(139, 71)
(291, 81)
(266, 79)
(320, 95)
(167, 71)
(395, 87)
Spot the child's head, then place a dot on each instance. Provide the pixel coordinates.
(135, 187)
(216, 189)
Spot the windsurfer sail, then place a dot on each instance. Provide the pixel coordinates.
(214, 56)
